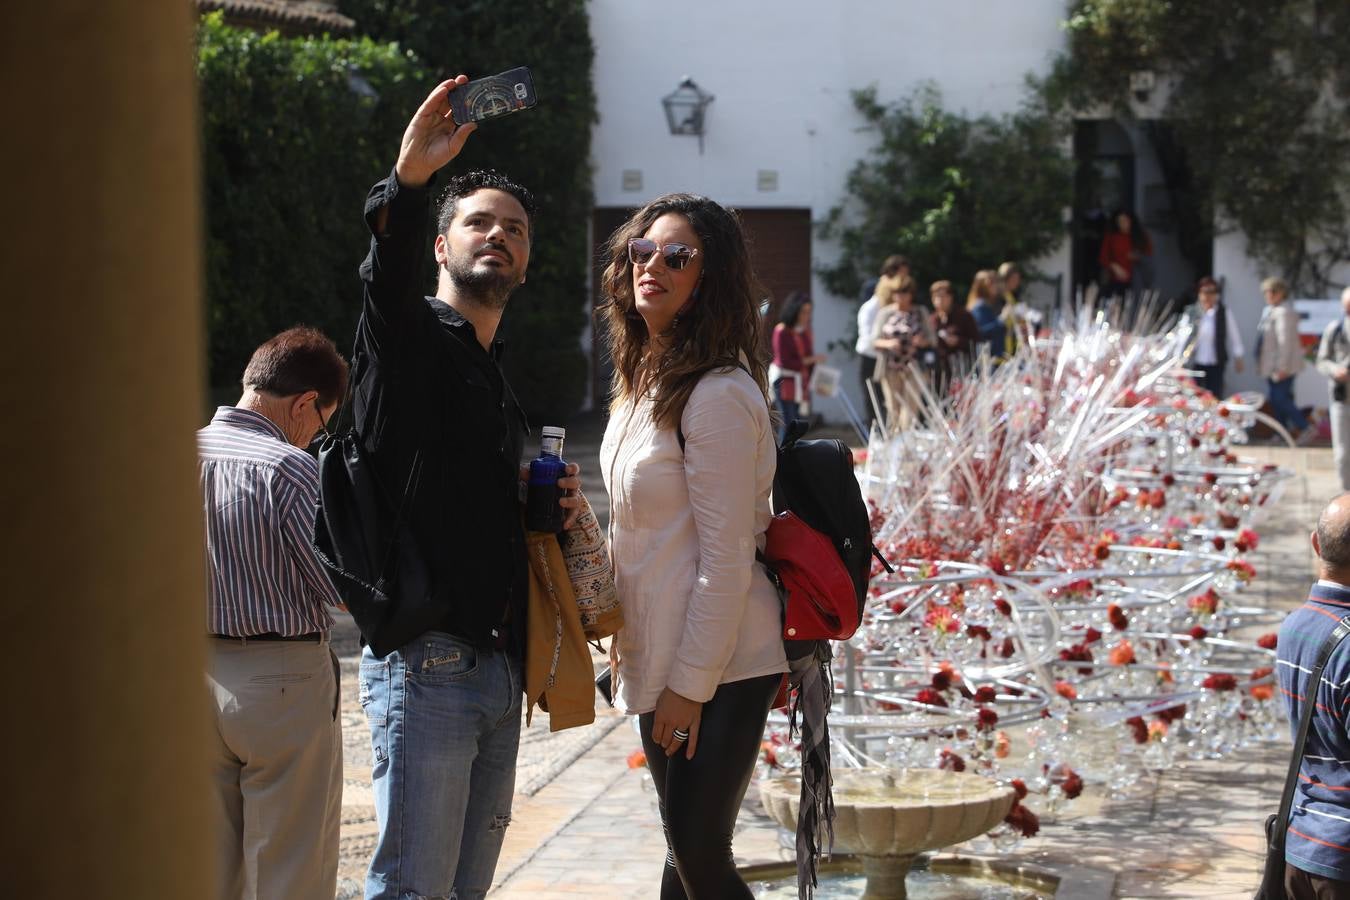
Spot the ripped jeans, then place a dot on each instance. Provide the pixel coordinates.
(444, 721)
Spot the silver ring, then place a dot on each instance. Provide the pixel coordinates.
(680, 735)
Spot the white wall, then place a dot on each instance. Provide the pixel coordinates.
(782, 73)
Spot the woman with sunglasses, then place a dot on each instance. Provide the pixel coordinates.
(688, 458)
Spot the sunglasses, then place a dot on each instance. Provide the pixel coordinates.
(675, 256)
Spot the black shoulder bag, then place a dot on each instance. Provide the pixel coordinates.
(1272, 879)
(359, 541)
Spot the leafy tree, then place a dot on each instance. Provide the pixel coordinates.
(546, 148)
(294, 132)
(1258, 95)
(953, 194)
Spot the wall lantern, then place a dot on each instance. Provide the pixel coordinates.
(684, 109)
(1142, 83)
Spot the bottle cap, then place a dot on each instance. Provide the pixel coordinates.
(554, 431)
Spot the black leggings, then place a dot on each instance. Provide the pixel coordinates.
(700, 797)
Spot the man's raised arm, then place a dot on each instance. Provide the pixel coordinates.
(396, 208)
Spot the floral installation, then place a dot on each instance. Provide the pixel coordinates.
(1070, 538)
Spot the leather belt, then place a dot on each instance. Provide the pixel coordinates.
(315, 637)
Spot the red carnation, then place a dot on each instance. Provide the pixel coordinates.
(951, 762)
(1139, 729)
(1220, 682)
(1218, 542)
(1173, 713)
(1023, 820)
(1199, 633)
(1070, 782)
(1079, 653)
(930, 697)
(985, 693)
(1268, 641)
(1019, 788)
(1091, 636)
(1003, 606)
(1169, 479)
(986, 719)
(942, 679)
(1210, 477)
(1227, 520)
(1119, 621)
(978, 631)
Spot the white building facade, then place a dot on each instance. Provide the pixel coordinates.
(782, 132)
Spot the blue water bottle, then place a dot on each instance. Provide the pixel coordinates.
(542, 512)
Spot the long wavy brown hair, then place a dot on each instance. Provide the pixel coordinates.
(714, 332)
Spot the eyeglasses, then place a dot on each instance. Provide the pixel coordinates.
(675, 256)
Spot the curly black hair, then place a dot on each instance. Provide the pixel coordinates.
(477, 180)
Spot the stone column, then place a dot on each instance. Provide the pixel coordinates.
(104, 754)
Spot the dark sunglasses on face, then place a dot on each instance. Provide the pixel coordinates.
(675, 256)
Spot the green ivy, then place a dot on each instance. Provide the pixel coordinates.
(547, 149)
(953, 194)
(1258, 98)
(289, 150)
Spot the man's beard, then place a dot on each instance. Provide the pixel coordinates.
(489, 287)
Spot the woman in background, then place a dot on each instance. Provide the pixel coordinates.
(688, 459)
(980, 303)
(1123, 246)
(794, 357)
(903, 335)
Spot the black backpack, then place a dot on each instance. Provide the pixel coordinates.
(816, 483)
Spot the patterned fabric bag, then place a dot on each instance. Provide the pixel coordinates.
(586, 553)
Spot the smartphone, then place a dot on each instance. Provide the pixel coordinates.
(494, 96)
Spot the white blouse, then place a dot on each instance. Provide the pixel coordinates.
(698, 610)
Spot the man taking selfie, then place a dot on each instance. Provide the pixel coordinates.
(444, 435)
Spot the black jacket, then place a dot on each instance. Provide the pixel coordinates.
(444, 434)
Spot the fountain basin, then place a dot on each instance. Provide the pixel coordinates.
(884, 812)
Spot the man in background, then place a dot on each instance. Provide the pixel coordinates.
(1317, 844)
(1217, 338)
(277, 770)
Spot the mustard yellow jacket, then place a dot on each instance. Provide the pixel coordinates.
(559, 675)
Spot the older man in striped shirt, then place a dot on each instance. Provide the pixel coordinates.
(1317, 847)
(277, 767)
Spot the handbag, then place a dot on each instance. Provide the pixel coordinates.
(586, 554)
(1272, 877)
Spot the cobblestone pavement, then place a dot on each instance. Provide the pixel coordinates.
(584, 824)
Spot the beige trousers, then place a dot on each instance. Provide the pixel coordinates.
(276, 798)
(900, 389)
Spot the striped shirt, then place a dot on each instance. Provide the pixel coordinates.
(1319, 822)
(260, 493)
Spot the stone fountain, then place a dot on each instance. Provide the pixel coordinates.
(888, 817)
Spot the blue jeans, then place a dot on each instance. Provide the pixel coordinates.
(788, 409)
(1282, 400)
(444, 721)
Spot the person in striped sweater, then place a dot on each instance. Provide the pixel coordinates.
(1317, 847)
